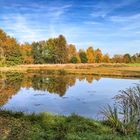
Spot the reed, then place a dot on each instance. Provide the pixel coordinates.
(124, 116)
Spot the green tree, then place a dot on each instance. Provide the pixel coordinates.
(61, 50)
(55, 50)
(50, 53)
(83, 56)
(37, 51)
(74, 59)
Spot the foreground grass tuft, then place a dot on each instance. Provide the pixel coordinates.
(17, 126)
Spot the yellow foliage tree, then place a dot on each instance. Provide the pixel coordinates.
(98, 56)
(106, 58)
(90, 55)
(78, 58)
(71, 51)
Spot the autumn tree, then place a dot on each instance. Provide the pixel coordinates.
(98, 56)
(117, 58)
(10, 49)
(73, 55)
(90, 55)
(106, 58)
(78, 58)
(71, 52)
(2, 57)
(136, 58)
(50, 53)
(83, 56)
(127, 58)
(55, 50)
(61, 49)
(26, 51)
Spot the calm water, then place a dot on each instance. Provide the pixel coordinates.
(83, 95)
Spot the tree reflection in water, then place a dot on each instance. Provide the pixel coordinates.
(10, 86)
(57, 84)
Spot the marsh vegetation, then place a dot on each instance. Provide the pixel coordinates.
(124, 116)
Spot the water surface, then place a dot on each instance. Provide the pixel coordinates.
(61, 94)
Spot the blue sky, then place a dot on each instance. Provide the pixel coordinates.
(111, 25)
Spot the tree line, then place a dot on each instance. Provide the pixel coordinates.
(54, 50)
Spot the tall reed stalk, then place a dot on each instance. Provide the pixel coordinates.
(124, 116)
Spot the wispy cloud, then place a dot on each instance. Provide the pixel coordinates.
(104, 9)
(130, 18)
(21, 29)
(37, 24)
(127, 23)
(109, 25)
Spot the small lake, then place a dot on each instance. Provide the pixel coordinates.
(59, 94)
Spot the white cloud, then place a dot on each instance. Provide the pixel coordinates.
(19, 27)
(103, 8)
(29, 26)
(132, 18)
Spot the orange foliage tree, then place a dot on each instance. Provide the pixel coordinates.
(10, 48)
(26, 51)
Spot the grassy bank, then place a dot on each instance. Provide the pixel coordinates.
(120, 70)
(17, 126)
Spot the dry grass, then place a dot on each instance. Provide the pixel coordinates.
(102, 69)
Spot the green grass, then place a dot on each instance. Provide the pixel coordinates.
(17, 126)
(133, 64)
